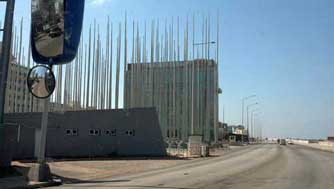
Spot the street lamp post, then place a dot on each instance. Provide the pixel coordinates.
(242, 113)
(259, 126)
(256, 129)
(243, 107)
(250, 105)
(252, 122)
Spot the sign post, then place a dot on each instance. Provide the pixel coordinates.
(55, 36)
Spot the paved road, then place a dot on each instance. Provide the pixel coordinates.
(265, 166)
(48, 46)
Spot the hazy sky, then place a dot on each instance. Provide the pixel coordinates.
(281, 50)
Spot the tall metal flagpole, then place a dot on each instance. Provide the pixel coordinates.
(186, 63)
(125, 60)
(118, 65)
(18, 76)
(29, 66)
(179, 115)
(111, 61)
(4, 60)
(217, 59)
(107, 90)
(132, 67)
(151, 68)
(85, 79)
(207, 67)
(97, 70)
(93, 68)
(137, 55)
(192, 83)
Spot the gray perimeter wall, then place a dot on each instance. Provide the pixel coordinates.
(143, 122)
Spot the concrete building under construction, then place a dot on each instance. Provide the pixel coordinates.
(172, 88)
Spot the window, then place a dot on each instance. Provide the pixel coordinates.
(94, 132)
(68, 132)
(71, 132)
(75, 132)
(111, 132)
(130, 132)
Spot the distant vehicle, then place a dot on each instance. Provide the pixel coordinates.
(290, 142)
(56, 32)
(282, 142)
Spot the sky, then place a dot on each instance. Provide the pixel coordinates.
(280, 50)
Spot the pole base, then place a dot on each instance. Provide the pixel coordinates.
(40, 173)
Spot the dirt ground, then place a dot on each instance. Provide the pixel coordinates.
(72, 171)
(75, 171)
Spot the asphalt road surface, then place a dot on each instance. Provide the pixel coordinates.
(262, 166)
(49, 46)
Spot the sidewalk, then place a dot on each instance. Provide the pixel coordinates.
(21, 182)
(16, 181)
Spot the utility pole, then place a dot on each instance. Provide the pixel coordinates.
(5, 55)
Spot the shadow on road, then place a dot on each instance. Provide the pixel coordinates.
(72, 181)
(67, 180)
(111, 158)
(98, 183)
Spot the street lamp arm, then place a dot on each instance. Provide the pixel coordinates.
(205, 43)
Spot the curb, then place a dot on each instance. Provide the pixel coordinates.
(54, 182)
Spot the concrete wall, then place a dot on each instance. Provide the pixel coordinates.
(142, 123)
(321, 145)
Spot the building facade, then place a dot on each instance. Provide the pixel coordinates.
(17, 97)
(132, 132)
(183, 94)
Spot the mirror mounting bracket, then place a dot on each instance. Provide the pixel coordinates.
(51, 62)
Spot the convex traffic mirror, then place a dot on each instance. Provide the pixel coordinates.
(41, 81)
(55, 35)
(55, 30)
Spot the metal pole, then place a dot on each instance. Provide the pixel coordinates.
(4, 61)
(192, 82)
(248, 117)
(215, 116)
(44, 127)
(243, 107)
(252, 121)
